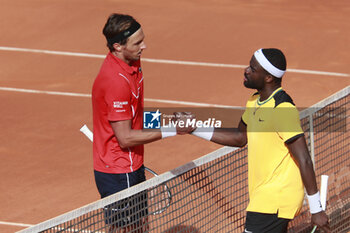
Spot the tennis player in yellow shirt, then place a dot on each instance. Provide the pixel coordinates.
(279, 164)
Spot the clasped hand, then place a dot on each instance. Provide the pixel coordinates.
(182, 121)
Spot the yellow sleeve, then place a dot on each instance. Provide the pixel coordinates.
(287, 122)
(248, 109)
(245, 116)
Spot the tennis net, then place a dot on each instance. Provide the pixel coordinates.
(210, 194)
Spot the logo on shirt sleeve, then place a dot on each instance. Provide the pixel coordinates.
(119, 106)
(151, 120)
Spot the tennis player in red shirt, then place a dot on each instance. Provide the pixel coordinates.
(117, 100)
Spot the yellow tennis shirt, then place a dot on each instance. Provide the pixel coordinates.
(275, 184)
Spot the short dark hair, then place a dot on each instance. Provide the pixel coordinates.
(276, 58)
(115, 24)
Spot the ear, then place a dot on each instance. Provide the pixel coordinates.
(117, 47)
(269, 78)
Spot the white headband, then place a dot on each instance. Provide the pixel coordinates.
(260, 57)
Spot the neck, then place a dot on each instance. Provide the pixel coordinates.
(118, 55)
(267, 91)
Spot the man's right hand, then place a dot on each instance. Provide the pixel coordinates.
(184, 117)
(321, 220)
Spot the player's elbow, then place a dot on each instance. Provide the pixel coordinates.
(241, 141)
(124, 142)
(123, 145)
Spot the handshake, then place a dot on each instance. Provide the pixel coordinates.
(182, 122)
(186, 123)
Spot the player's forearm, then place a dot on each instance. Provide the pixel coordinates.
(308, 177)
(299, 151)
(137, 137)
(236, 137)
(128, 137)
(229, 137)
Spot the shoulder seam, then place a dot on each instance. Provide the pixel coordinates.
(282, 97)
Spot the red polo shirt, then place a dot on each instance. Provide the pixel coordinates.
(117, 95)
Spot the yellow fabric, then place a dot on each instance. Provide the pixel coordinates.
(275, 183)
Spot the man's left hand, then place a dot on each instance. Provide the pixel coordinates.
(321, 220)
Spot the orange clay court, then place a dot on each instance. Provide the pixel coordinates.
(46, 163)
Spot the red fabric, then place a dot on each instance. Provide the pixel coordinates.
(117, 95)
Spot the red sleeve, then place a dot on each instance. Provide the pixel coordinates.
(118, 99)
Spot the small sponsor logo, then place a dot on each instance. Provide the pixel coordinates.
(119, 104)
(121, 110)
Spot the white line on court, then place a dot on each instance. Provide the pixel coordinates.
(186, 103)
(164, 61)
(15, 224)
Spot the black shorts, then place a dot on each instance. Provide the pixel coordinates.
(126, 211)
(269, 223)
